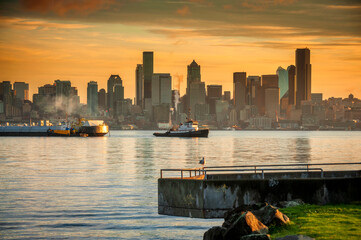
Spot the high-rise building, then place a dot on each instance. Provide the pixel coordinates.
(112, 81)
(282, 80)
(193, 76)
(239, 90)
(316, 98)
(214, 93)
(291, 85)
(21, 90)
(197, 95)
(92, 98)
(161, 89)
(269, 81)
(303, 76)
(227, 96)
(139, 83)
(253, 84)
(148, 73)
(272, 102)
(102, 99)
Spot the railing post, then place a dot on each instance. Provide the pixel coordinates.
(181, 174)
(161, 173)
(321, 173)
(190, 173)
(255, 169)
(262, 174)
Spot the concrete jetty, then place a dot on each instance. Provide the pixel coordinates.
(211, 191)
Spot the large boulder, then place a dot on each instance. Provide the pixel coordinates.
(256, 237)
(295, 237)
(245, 224)
(215, 233)
(232, 215)
(270, 215)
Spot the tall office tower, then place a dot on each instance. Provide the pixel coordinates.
(102, 99)
(148, 73)
(193, 76)
(92, 98)
(214, 93)
(62, 95)
(21, 90)
(139, 83)
(7, 97)
(269, 81)
(239, 90)
(161, 89)
(282, 80)
(303, 76)
(291, 85)
(113, 79)
(272, 102)
(197, 93)
(253, 84)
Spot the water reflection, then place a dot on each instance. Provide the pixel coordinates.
(302, 150)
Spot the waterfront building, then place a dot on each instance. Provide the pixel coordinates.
(260, 123)
(92, 98)
(21, 90)
(239, 90)
(214, 92)
(303, 76)
(139, 84)
(161, 89)
(291, 84)
(227, 96)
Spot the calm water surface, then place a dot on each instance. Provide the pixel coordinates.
(107, 187)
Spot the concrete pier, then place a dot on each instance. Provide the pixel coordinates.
(210, 194)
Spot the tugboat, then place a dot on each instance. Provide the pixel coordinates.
(188, 129)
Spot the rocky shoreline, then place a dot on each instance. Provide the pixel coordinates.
(252, 222)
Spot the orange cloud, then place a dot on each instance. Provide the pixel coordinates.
(60, 8)
(183, 11)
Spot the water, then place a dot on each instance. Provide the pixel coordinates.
(106, 187)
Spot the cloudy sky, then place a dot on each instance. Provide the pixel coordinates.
(88, 40)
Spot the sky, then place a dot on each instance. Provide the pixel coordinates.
(88, 40)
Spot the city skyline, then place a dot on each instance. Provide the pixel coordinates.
(91, 40)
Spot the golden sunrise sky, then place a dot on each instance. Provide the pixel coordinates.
(88, 40)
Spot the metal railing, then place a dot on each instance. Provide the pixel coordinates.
(307, 167)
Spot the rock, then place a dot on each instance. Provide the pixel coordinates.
(245, 224)
(256, 237)
(270, 215)
(295, 237)
(214, 233)
(292, 203)
(232, 215)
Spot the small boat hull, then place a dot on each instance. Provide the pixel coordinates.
(198, 133)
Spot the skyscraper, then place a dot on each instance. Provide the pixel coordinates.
(214, 92)
(102, 99)
(92, 98)
(291, 84)
(161, 89)
(22, 90)
(193, 76)
(139, 83)
(282, 80)
(148, 73)
(112, 81)
(253, 85)
(239, 90)
(303, 76)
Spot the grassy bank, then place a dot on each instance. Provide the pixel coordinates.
(322, 222)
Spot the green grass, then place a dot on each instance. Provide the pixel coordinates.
(322, 222)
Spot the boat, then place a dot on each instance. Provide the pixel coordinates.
(91, 128)
(188, 129)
